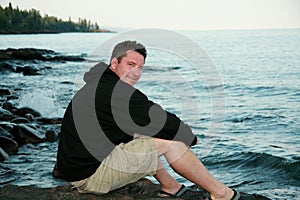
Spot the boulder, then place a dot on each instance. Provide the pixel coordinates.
(29, 71)
(4, 132)
(12, 97)
(25, 110)
(45, 120)
(8, 145)
(24, 54)
(5, 115)
(35, 54)
(3, 155)
(6, 68)
(56, 173)
(5, 127)
(23, 134)
(20, 120)
(8, 106)
(4, 92)
(142, 189)
(51, 136)
(29, 116)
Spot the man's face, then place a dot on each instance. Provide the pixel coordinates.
(130, 67)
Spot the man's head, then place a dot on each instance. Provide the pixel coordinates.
(127, 61)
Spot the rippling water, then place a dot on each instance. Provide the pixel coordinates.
(257, 149)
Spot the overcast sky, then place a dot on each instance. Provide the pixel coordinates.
(173, 14)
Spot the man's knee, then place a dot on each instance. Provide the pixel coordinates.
(164, 146)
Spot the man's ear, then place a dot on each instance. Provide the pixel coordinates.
(113, 63)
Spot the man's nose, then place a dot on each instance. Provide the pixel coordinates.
(135, 70)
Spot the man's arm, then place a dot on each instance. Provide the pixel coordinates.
(172, 128)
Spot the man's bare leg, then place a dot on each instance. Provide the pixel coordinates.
(185, 163)
(167, 182)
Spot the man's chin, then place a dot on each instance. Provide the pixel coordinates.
(129, 82)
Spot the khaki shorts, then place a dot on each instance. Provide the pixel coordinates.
(127, 163)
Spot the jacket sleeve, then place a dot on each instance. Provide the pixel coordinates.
(152, 120)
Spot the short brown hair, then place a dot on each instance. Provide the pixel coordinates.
(121, 48)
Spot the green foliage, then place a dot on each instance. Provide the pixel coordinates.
(14, 20)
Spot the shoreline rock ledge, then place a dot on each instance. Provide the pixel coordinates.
(142, 189)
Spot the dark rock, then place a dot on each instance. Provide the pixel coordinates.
(51, 136)
(46, 68)
(56, 173)
(35, 54)
(5, 115)
(20, 120)
(30, 71)
(67, 82)
(18, 89)
(29, 116)
(3, 155)
(8, 106)
(24, 54)
(23, 134)
(45, 120)
(142, 189)
(68, 58)
(5, 127)
(25, 110)
(4, 92)
(8, 145)
(19, 69)
(5, 67)
(11, 97)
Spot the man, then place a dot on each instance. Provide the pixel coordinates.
(113, 135)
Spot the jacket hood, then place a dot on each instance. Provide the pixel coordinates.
(95, 72)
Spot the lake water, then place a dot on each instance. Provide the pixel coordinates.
(255, 147)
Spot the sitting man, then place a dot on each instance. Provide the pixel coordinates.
(112, 135)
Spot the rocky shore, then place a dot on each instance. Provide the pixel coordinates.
(20, 126)
(24, 125)
(25, 60)
(142, 189)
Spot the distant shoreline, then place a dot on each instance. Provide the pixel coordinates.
(16, 21)
(52, 32)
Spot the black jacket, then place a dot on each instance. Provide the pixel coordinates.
(105, 113)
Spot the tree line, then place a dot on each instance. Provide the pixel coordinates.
(14, 20)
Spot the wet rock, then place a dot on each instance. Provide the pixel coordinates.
(20, 120)
(8, 106)
(29, 116)
(45, 120)
(66, 193)
(142, 189)
(68, 58)
(28, 71)
(67, 82)
(3, 155)
(5, 115)
(5, 127)
(24, 54)
(8, 145)
(56, 173)
(4, 92)
(35, 54)
(11, 97)
(51, 136)
(24, 134)
(6, 68)
(25, 110)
